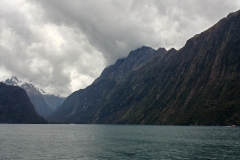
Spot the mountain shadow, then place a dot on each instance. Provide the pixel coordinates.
(15, 106)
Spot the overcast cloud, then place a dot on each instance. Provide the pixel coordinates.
(62, 46)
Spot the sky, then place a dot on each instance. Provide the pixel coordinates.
(62, 46)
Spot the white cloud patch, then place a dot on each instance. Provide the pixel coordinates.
(62, 46)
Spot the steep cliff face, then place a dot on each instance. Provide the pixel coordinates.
(198, 84)
(15, 106)
(123, 67)
(85, 102)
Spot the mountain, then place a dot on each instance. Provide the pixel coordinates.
(45, 103)
(16, 107)
(196, 85)
(92, 95)
(53, 101)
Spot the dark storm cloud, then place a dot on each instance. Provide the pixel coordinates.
(116, 27)
(63, 45)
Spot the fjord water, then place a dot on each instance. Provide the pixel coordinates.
(71, 141)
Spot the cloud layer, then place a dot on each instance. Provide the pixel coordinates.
(63, 46)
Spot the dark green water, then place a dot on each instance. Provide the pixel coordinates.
(18, 141)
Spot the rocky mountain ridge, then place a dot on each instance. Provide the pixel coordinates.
(198, 84)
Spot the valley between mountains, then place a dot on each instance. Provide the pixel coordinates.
(198, 84)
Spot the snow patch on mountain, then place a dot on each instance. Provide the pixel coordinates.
(25, 85)
(44, 103)
(43, 92)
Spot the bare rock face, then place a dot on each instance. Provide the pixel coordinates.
(198, 84)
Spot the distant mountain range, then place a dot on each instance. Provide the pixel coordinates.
(15, 106)
(196, 85)
(44, 103)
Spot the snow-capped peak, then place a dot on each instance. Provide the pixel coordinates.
(42, 91)
(13, 81)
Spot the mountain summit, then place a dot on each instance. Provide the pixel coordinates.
(44, 103)
(198, 84)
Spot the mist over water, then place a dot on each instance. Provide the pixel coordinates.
(71, 141)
